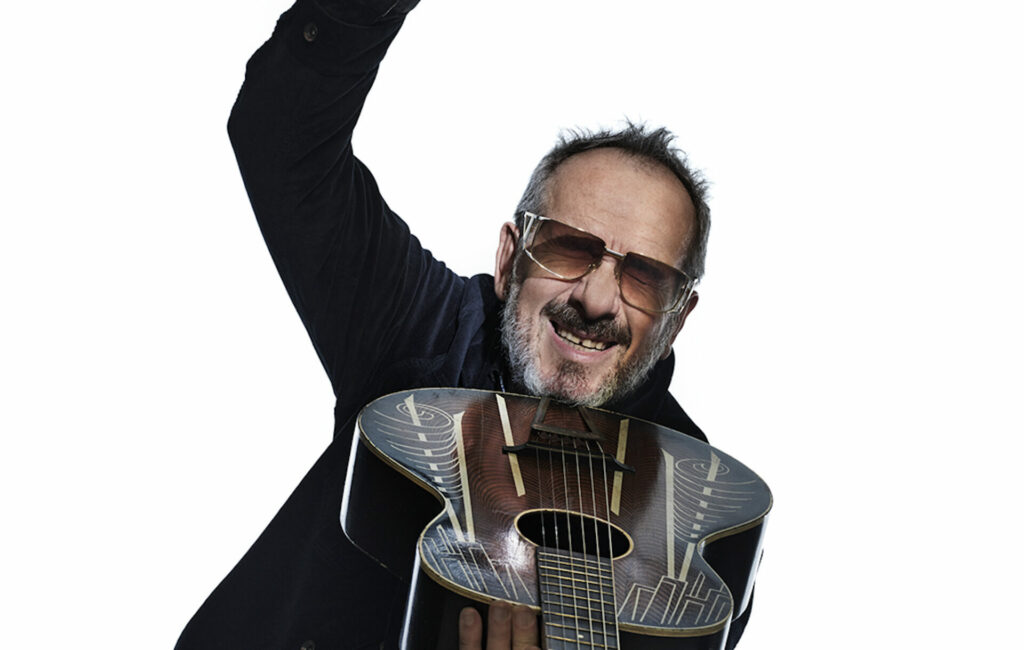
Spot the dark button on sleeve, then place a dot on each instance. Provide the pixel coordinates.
(310, 33)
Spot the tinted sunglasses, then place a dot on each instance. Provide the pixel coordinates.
(569, 253)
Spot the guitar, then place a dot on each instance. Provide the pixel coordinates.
(619, 532)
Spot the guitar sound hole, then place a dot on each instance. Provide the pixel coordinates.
(573, 531)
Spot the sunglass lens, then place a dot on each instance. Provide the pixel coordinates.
(649, 284)
(566, 251)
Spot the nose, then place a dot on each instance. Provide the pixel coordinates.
(597, 293)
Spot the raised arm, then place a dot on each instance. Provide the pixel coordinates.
(350, 265)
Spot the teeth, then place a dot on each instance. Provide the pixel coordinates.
(587, 343)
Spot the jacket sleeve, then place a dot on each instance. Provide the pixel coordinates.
(361, 283)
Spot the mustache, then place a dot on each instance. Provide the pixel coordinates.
(605, 329)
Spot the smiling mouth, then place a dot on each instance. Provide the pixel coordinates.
(587, 344)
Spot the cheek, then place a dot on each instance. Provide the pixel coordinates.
(536, 292)
(643, 328)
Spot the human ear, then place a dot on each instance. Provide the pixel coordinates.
(504, 259)
(680, 320)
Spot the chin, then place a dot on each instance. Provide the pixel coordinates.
(568, 391)
(567, 380)
(571, 382)
(575, 383)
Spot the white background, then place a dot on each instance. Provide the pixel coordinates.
(857, 340)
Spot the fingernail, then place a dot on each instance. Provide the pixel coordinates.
(466, 616)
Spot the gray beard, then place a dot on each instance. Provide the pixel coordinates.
(568, 383)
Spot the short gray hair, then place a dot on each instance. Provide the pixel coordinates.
(636, 140)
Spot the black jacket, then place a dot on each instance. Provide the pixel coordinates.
(382, 313)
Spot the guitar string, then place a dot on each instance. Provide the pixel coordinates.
(572, 551)
(552, 501)
(554, 524)
(583, 534)
(583, 539)
(543, 529)
(576, 567)
(611, 552)
(597, 540)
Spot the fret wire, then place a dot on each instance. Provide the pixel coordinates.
(577, 642)
(602, 634)
(589, 604)
(566, 504)
(558, 624)
(599, 637)
(568, 578)
(555, 621)
(551, 496)
(563, 558)
(552, 557)
(590, 595)
(540, 492)
(565, 554)
(583, 539)
(566, 567)
(557, 616)
(559, 610)
(592, 605)
(569, 614)
(562, 638)
(566, 575)
(612, 620)
(611, 551)
(579, 561)
(597, 537)
(585, 641)
(578, 585)
(601, 621)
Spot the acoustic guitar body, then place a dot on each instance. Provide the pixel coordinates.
(620, 533)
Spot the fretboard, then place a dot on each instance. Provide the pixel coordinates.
(577, 600)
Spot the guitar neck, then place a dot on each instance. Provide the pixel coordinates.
(577, 600)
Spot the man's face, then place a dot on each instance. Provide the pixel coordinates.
(577, 340)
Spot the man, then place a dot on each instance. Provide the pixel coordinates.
(593, 281)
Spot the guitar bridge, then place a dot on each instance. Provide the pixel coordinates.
(556, 439)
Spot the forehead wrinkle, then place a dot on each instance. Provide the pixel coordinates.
(574, 194)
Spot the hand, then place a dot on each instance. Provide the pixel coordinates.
(508, 628)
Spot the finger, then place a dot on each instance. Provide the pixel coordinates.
(524, 629)
(499, 626)
(471, 629)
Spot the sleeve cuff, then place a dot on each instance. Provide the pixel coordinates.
(341, 37)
